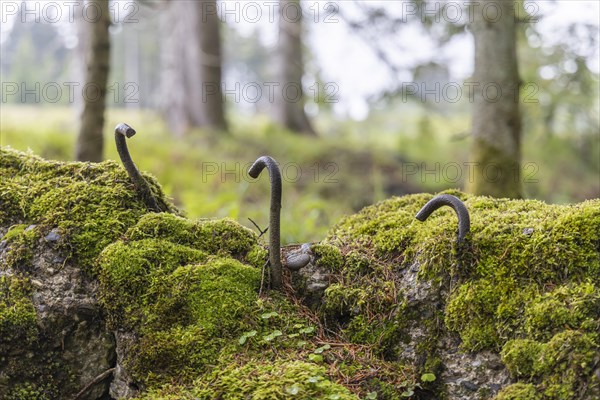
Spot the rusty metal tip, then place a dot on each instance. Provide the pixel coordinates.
(125, 130)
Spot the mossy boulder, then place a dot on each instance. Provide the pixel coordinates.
(96, 289)
(523, 285)
(55, 218)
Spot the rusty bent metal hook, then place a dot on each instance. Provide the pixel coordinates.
(464, 222)
(123, 131)
(274, 218)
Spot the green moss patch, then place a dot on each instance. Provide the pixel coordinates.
(258, 379)
(90, 204)
(219, 237)
(519, 391)
(18, 324)
(562, 367)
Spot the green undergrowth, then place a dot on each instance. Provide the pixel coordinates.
(525, 283)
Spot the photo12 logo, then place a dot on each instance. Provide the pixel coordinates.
(456, 12)
(291, 172)
(453, 92)
(271, 92)
(52, 12)
(455, 173)
(67, 92)
(270, 11)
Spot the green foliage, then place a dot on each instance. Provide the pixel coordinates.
(27, 391)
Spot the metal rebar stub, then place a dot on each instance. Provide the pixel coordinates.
(464, 222)
(123, 131)
(274, 216)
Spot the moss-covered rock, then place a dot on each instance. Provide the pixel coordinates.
(519, 391)
(90, 280)
(527, 274)
(55, 218)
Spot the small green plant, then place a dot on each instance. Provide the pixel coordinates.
(269, 315)
(322, 349)
(246, 336)
(272, 336)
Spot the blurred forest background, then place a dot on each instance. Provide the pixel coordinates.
(357, 100)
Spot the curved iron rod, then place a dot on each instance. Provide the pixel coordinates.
(123, 131)
(464, 222)
(274, 217)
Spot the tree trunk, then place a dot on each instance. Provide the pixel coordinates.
(90, 141)
(496, 146)
(174, 25)
(192, 65)
(211, 61)
(289, 100)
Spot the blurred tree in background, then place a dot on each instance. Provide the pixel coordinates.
(90, 141)
(496, 127)
(289, 99)
(189, 69)
(191, 66)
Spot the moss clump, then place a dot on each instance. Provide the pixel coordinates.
(18, 325)
(519, 391)
(328, 257)
(563, 366)
(219, 237)
(14, 232)
(257, 379)
(91, 204)
(184, 315)
(573, 306)
(129, 269)
(22, 240)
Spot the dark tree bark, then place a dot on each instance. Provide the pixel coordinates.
(289, 100)
(496, 147)
(90, 142)
(192, 66)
